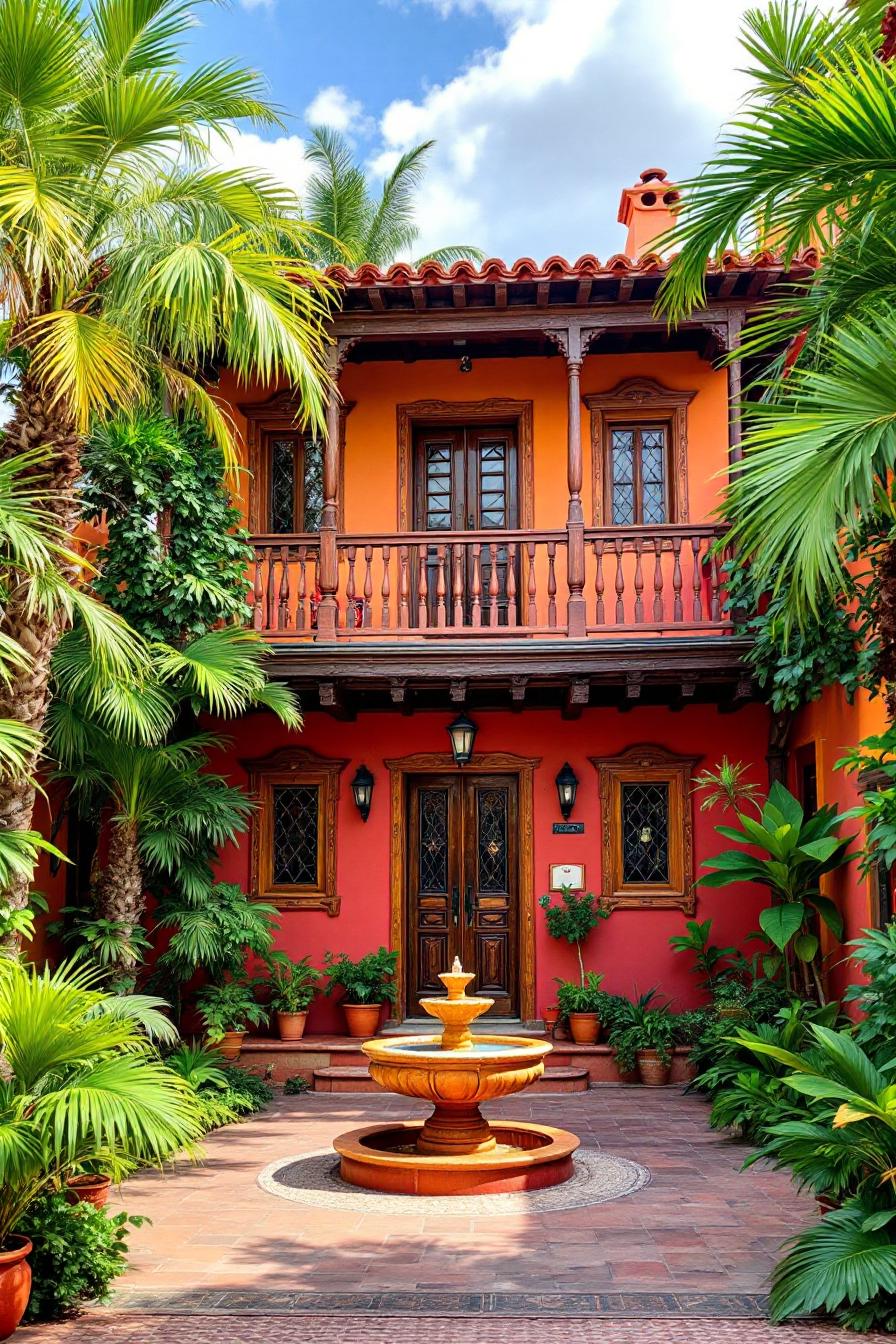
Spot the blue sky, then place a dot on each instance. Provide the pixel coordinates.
(542, 110)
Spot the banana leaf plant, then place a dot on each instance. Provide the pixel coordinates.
(794, 853)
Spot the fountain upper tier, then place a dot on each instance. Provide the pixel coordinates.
(457, 1011)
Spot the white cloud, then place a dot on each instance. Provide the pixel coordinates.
(333, 107)
(536, 138)
(257, 4)
(282, 159)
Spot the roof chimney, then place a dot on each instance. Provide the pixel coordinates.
(648, 209)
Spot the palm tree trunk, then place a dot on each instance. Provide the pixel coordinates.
(35, 425)
(120, 892)
(885, 620)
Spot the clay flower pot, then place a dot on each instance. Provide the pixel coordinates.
(88, 1190)
(551, 1017)
(230, 1044)
(585, 1028)
(15, 1284)
(291, 1026)
(651, 1070)
(363, 1019)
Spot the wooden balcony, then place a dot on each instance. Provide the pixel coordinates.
(479, 586)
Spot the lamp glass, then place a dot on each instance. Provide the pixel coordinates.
(567, 786)
(362, 789)
(463, 734)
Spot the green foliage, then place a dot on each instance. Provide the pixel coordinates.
(215, 931)
(845, 1264)
(224, 1092)
(293, 983)
(245, 1092)
(369, 980)
(574, 918)
(649, 1026)
(710, 960)
(148, 468)
(15, 922)
(875, 954)
(727, 786)
(230, 1006)
(78, 1252)
(691, 1025)
(105, 942)
(197, 1066)
(587, 997)
(296, 1087)
(84, 1086)
(878, 808)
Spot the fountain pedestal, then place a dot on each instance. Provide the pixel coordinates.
(456, 1150)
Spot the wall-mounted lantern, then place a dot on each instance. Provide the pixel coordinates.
(362, 789)
(463, 734)
(567, 785)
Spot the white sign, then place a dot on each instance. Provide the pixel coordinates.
(570, 875)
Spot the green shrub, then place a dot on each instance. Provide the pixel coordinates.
(246, 1092)
(295, 1087)
(369, 980)
(78, 1251)
(584, 998)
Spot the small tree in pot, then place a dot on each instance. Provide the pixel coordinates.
(573, 919)
(227, 1011)
(367, 985)
(293, 984)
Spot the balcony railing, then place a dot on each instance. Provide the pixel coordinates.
(660, 580)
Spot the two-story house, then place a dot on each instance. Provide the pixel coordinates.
(494, 585)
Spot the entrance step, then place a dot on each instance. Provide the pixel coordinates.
(342, 1078)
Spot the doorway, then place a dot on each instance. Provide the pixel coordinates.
(463, 884)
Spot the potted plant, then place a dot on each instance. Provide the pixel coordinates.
(550, 1017)
(580, 1006)
(689, 1027)
(366, 984)
(293, 984)
(227, 1011)
(730, 999)
(646, 1042)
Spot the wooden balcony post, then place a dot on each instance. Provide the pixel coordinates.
(735, 450)
(328, 571)
(575, 518)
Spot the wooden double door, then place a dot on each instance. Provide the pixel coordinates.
(463, 885)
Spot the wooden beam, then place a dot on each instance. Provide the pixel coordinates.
(727, 283)
(740, 696)
(578, 694)
(398, 689)
(518, 693)
(685, 694)
(331, 701)
(633, 683)
(583, 292)
(542, 293)
(459, 296)
(376, 300)
(458, 691)
(500, 294)
(626, 285)
(418, 294)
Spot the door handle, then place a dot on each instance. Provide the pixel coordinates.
(455, 905)
(468, 905)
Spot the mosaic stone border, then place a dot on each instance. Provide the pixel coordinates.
(313, 1178)
(641, 1306)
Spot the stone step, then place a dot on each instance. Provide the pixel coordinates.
(347, 1079)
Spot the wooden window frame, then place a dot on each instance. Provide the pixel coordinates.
(289, 766)
(639, 765)
(279, 417)
(638, 428)
(645, 402)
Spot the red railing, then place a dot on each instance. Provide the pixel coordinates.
(492, 584)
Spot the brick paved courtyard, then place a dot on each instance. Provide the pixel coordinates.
(685, 1258)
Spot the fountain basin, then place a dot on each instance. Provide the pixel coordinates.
(387, 1158)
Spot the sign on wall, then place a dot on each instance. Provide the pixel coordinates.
(570, 875)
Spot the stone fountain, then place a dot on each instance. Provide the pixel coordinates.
(456, 1151)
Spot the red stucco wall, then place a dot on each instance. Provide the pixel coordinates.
(631, 948)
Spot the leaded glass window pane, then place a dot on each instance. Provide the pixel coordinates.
(313, 479)
(296, 810)
(638, 486)
(622, 458)
(283, 485)
(645, 833)
(493, 840)
(434, 840)
(438, 487)
(653, 475)
(493, 483)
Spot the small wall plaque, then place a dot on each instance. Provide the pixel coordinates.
(570, 875)
(569, 828)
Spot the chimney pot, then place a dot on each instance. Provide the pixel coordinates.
(648, 210)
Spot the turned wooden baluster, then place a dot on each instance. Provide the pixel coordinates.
(639, 582)
(441, 588)
(349, 621)
(493, 587)
(404, 589)
(532, 585)
(384, 590)
(270, 590)
(283, 612)
(511, 583)
(715, 583)
(367, 614)
(458, 559)
(678, 611)
(620, 583)
(422, 588)
(598, 547)
(300, 588)
(552, 585)
(476, 587)
(696, 581)
(659, 609)
(258, 596)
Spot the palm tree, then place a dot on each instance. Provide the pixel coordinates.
(352, 225)
(83, 1085)
(128, 260)
(809, 163)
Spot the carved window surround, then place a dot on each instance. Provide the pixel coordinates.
(638, 765)
(294, 766)
(640, 399)
(280, 414)
(464, 413)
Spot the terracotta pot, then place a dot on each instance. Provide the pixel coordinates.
(733, 1012)
(15, 1284)
(88, 1190)
(291, 1026)
(230, 1044)
(827, 1203)
(683, 1070)
(585, 1028)
(651, 1070)
(551, 1017)
(363, 1019)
